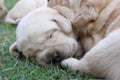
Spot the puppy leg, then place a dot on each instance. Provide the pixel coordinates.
(76, 65)
(103, 60)
(10, 20)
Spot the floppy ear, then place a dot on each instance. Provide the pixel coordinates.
(13, 50)
(63, 23)
(66, 12)
(87, 13)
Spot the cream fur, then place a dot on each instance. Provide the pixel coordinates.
(102, 60)
(22, 8)
(43, 34)
(97, 25)
(3, 10)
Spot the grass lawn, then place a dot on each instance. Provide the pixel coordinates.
(22, 69)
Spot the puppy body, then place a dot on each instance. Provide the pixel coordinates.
(96, 23)
(3, 10)
(22, 8)
(45, 35)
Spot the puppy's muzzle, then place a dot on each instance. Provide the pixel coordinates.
(56, 58)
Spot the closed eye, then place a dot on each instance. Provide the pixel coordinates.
(50, 35)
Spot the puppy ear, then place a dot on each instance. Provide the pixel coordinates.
(63, 23)
(87, 13)
(66, 12)
(13, 50)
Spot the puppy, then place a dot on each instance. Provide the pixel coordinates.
(3, 10)
(96, 23)
(45, 35)
(22, 8)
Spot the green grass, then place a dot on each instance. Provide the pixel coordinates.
(21, 68)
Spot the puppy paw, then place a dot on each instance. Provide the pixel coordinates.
(71, 63)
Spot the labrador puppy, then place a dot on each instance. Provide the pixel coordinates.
(97, 25)
(3, 10)
(45, 35)
(22, 8)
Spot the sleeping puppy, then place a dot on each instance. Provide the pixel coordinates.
(22, 8)
(97, 25)
(3, 10)
(45, 35)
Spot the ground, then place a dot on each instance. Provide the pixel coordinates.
(23, 69)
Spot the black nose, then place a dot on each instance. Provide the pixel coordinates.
(56, 58)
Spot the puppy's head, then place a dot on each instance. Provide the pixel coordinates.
(45, 35)
(3, 10)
